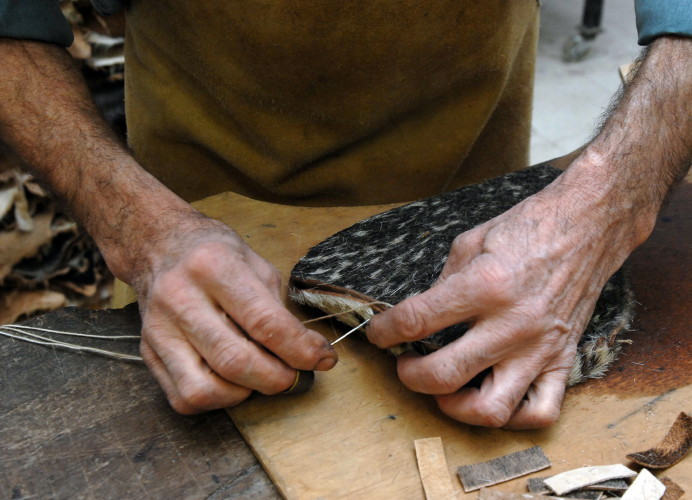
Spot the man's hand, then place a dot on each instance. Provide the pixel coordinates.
(527, 281)
(214, 326)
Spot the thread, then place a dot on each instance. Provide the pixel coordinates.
(24, 333)
(26, 336)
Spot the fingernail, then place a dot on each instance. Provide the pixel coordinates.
(326, 363)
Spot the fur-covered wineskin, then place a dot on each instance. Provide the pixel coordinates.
(384, 259)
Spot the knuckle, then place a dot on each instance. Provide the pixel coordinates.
(545, 418)
(272, 277)
(201, 260)
(193, 397)
(410, 322)
(494, 414)
(169, 288)
(497, 282)
(444, 378)
(261, 324)
(232, 362)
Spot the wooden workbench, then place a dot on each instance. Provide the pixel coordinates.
(79, 426)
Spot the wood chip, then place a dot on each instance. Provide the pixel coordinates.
(585, 476)
(673, 490)
(502, 469)
(671, 449)
(434, 472)
(645, 487)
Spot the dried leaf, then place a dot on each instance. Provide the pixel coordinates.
(17, 304)
(19, 245)
(34, 188)
(7, 196)
(21, 212)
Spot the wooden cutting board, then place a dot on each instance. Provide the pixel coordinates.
(352, 435)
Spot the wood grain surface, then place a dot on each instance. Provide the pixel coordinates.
(353, 434)
(80, 426)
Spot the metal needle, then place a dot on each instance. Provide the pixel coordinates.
(351, 331)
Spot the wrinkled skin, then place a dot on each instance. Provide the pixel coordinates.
(214, 325)
(527, 281)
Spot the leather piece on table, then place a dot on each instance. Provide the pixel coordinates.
(673, 448)
(401, 252)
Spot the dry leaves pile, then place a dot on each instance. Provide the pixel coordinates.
(46, 262)
(98, 40)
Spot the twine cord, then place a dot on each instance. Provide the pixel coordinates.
(33, 338)
(73, 334)
(25, 333)
(347, 311)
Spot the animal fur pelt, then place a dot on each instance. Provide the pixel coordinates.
(386, 258)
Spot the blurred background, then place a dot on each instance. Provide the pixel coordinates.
(570, 96)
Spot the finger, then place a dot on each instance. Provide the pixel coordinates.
(494, 403)
(265, 319)
(541, 407)
(480, 287)
(211, 336)
(465, 248)
(446, 370)
(196, 391)
(267, 274)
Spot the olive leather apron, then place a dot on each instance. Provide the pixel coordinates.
(317, 102)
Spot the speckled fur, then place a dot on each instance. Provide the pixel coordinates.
(401, 252)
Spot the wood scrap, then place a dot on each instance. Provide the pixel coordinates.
(673, 448)
(645, 487)
(498, 470)
(434, 472)
(585, 476)
(673, 489)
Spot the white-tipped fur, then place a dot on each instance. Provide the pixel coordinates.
(348, 310)
(592, 360)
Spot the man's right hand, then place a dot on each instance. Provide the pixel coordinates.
(214, 326)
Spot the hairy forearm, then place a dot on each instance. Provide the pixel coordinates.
(48, 119)
(645, 143)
